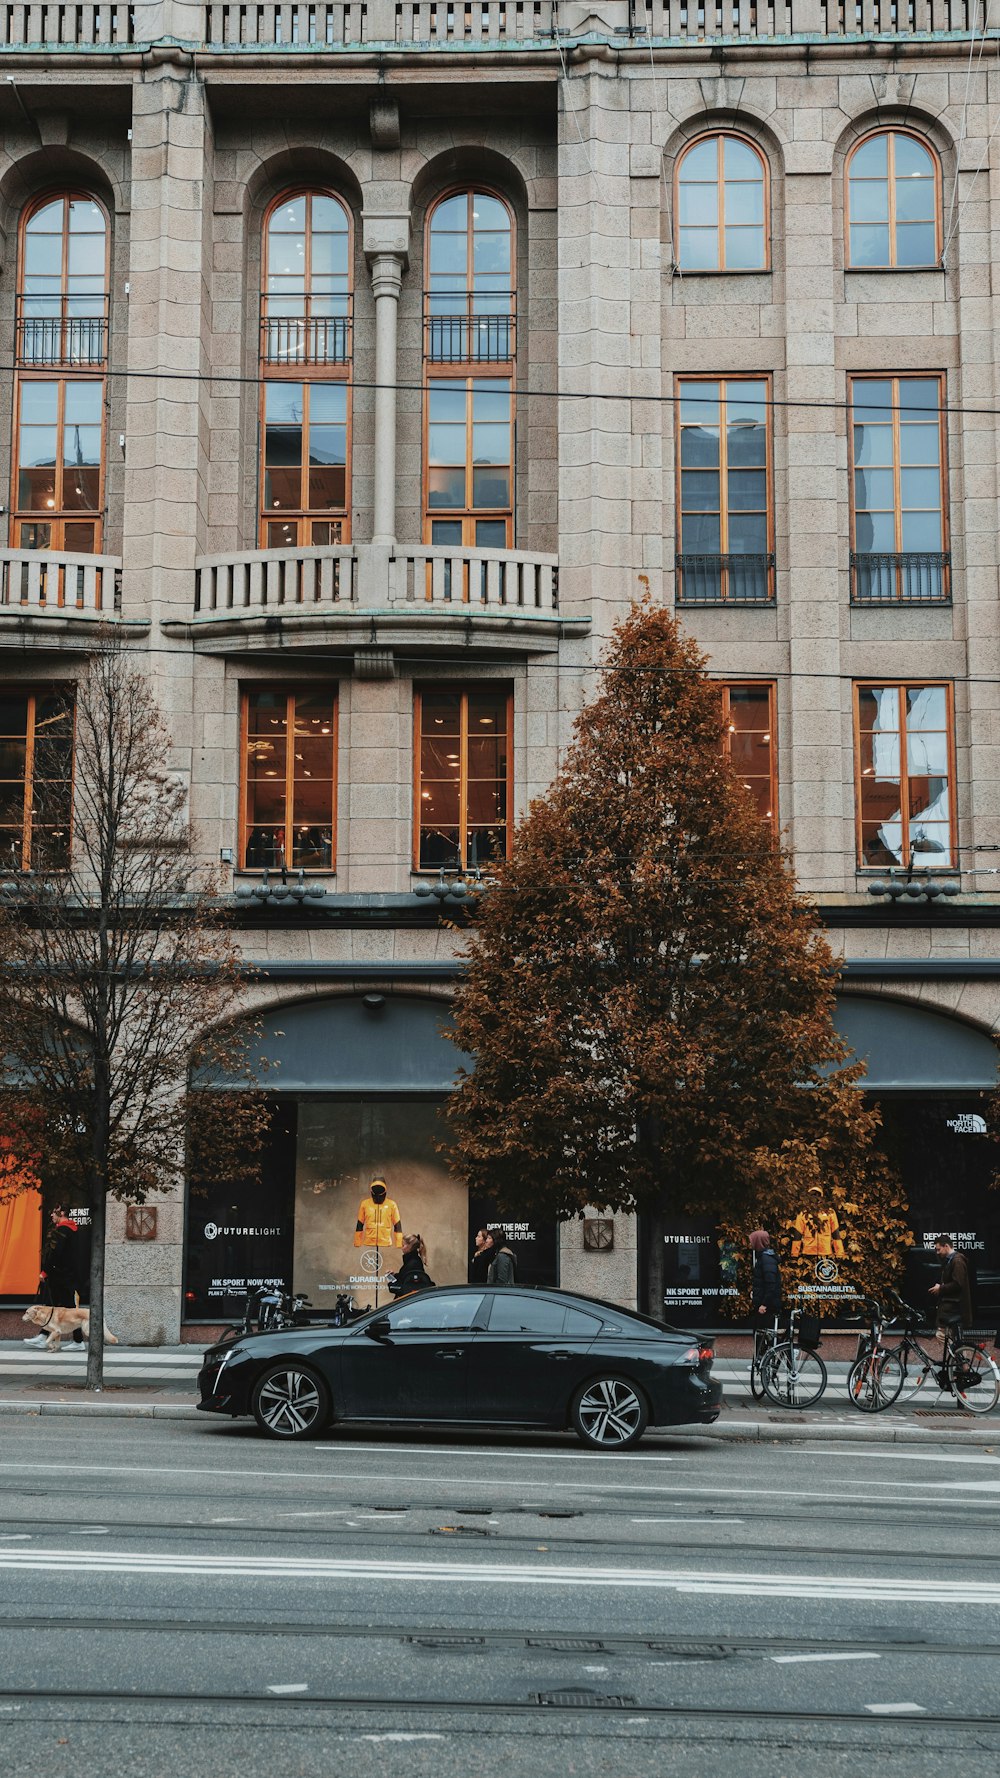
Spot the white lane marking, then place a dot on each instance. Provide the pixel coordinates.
(708, 1524)
(793, 1586)
(896, 1709)
(594, 1669)
(788, 1660)
(402, 1735)
(227, 1521)
(281, 1691)
(386, 1478)
(319, 1512)
(91, 1531)
(16, 1537)
(895, 1455)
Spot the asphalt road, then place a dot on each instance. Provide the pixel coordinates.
(195, 1600)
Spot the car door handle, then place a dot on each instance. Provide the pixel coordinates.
(560, 1354)
(456, 1352)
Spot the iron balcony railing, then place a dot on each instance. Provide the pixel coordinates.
(49, 333)
(305, 339)
(456, 331)
(907, 577)
(725, 580)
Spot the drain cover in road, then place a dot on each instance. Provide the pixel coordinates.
(583, 1700)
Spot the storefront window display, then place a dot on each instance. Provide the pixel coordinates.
(347, 1241)
(341, 1183)
(939, 1146)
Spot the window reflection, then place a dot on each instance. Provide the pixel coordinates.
(905, 805)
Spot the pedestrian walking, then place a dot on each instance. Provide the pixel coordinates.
(412, 1274)
(765, 1282)
(58, 1278)
(503, 1266)
(953, 1294)
(482, 1256)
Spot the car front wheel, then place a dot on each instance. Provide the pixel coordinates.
(609, 1414)
(289, 1401)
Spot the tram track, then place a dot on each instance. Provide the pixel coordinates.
(690, 1533)
(461, 1641)
(548, 1704)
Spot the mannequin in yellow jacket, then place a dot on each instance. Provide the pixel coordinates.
(378, 1222)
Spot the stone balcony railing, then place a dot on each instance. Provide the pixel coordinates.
(398, 592)
(49, 584)
(328, 26)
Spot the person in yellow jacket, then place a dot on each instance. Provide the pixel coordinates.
(378, 1222)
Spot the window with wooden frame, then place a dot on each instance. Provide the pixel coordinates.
(36, 778)
(306, 339)
(469, 352)
(57, 495)
(463, 777)
(721, 206)
(724, 505)
(904, 752)
(288, 801)
(893, 203)
(750, 742)
(898, 485)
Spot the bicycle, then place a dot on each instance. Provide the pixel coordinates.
(793, 1376)
(268, 1311)
(764, 1341)
(964, 1368)
(878, 1373)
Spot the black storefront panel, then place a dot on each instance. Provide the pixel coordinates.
(239, 1236)
(534, 1244)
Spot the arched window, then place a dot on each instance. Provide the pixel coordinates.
(469, 352)
(305, 358)
(893, 202)
(721, 206)
(61, 359)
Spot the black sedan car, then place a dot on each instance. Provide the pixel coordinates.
(471, 1356)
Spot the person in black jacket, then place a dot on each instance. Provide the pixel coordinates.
(412, 1274)
(765, 1285)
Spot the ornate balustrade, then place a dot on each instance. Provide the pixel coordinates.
(271, 580)
(68, 27)
(331, 25)
(47, 583)
(494, 580)
(268, 597)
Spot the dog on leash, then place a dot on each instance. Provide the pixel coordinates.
(60, 1323)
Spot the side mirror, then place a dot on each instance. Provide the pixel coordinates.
(379, 1329)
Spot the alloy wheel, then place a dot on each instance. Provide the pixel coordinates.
(289, 1403)
(610, 1413)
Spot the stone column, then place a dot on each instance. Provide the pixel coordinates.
(386, 239)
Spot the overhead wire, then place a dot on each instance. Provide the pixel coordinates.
(849, 405)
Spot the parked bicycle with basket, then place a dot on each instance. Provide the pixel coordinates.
(792, 1374)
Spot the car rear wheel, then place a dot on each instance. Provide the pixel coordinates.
(290, 1401)
(609, 1414)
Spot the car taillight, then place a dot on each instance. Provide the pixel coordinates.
(699, 1355)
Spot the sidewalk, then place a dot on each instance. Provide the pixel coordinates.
(160, 1383)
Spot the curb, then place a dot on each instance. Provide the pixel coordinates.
(114, 1410)
(885, 1432)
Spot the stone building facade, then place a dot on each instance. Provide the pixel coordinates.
(755, 245)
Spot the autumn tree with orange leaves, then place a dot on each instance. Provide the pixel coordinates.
(648, 1000)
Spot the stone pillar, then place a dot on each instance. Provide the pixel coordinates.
(386, 239)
